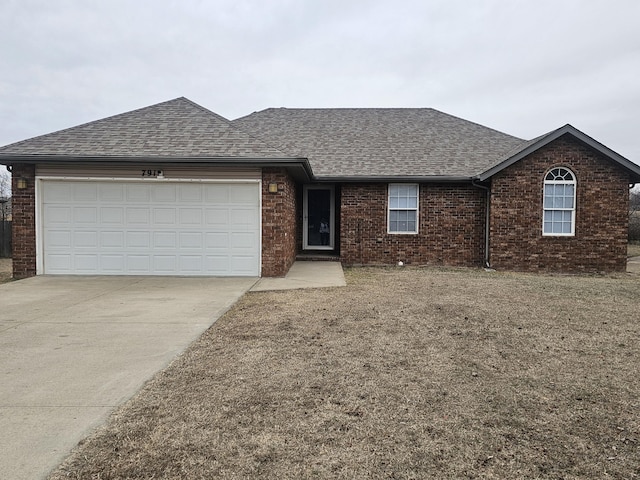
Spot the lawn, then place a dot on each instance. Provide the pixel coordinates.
(404, 373)
(633, 249)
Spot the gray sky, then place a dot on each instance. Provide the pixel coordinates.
(522, 67)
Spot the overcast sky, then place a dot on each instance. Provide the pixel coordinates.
(522, 67)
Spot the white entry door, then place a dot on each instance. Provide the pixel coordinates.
(150, 228)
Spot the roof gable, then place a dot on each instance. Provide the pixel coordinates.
(177, 128)
(543, 140)
(370, 143)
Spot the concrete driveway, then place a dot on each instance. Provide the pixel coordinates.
(73, 348)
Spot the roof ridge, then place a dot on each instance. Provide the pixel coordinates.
(477, 124)
(56, 132)
(230, 124)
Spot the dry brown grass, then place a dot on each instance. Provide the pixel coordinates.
(404, 373)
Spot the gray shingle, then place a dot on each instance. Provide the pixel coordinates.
(382, 142)
(177, 128)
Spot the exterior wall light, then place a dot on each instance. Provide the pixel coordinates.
(21, 183)
(273, 188)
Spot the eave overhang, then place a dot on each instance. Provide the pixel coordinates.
(299, 168)
(394, 178)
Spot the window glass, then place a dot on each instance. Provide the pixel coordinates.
(403, 208)
(559, 202)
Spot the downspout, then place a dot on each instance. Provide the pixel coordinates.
(487, 264)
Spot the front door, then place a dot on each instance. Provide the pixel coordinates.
(318, 218)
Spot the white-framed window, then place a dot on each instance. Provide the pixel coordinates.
(559, 203)
(403, 208)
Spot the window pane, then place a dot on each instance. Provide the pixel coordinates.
(558, 202)
(403, 205)
(566, 227)
(568, 201)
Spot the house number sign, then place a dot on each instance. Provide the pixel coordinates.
(152, 173)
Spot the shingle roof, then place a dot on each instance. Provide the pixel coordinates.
(532, 145)
(178, 128)
(382, 142)
(340, 143)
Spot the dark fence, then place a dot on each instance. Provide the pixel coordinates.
(5, 239)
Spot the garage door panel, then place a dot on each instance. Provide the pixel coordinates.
(86, 239)
(139, 240)
(85, 215)
(164, 264)
(111, 192)
(216, 217)
(58, 192)
(60, 263)
(165, 240)
(138, 216)
(136, 192)
(190, 193)
(190, 216)
(217, 264)
(85, 192)
(164, 193)
(243, 217)
(58, 215)
(139, 264)
(242, 264)
(216, 194)
(219, 240)
(190, 264)
(242, 241)
(112, 240)
(60, 239)
(150, 228)
(112, 215)
(164, 216)
(191, 240)
(86, 263)
(112, 263)
(244, 195)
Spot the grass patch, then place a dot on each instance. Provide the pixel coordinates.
(404, 373)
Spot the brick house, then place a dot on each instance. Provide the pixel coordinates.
(174, 189)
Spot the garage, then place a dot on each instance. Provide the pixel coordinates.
(155, 227)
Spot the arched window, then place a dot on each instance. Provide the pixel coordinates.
(559, 202)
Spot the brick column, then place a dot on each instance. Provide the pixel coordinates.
(23, 203)
(279, 228)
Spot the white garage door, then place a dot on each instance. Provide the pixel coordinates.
(144, 228)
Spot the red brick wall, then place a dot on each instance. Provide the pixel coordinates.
(450, 232)
(279, 226)
(600, 240)
(24, 222)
